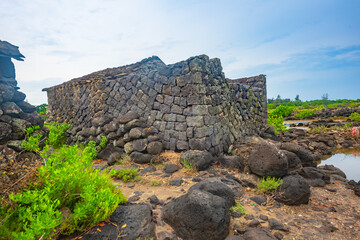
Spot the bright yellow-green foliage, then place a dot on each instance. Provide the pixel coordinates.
(125, 174)
(355, 117)
(57, 133)
(187, 163)
(269, 183)
(66, 181)
(238, 207)
(282, 110)
(277, 122)
(303, 114)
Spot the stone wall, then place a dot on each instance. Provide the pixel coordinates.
(15, 114)
(187, 105)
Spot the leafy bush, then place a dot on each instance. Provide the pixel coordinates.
(42, 109)
(67, 181)
(269, 183)
(282, 111)
(277, 122)
(303, 114)
(238, 207)
(355, 117)
(57, 133)
(125, 174)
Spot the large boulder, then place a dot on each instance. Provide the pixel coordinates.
(294, 161)
(306, 157)
(216, 188)
(266, 160)
(138, 220)
(293, 191)
(198, 215)
(200, 160)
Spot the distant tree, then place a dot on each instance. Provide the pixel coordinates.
(278, 97)
(325, 97)
(297, 98)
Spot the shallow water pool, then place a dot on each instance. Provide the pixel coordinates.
(348, 160)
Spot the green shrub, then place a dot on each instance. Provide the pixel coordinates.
(125, 174)
(355, 117)
(303, 114)
(65, 181)
(42, 109)
(269, 183)
(282, 111)
(57, 133)
(238, 207)
(277, 122)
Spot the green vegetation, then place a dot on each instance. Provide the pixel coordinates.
(282, 111)
(187, 163)
(42, 109)
(303, 114)
(269, 183)
(155, 183)
(65, 182)
(238, 207)
(276, 117)
(355, 117)
(126, 174)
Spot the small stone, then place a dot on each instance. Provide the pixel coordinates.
(176, 182)
(135, 133)
(154, 148)
(147, 170)
(331, 189)
(249, 217)
(131, 185)
(276, 225)
(154, 200)
(263, 217)
(128, 148)
(171, 168)
(259, 199)
(254, 223)
(278, 235)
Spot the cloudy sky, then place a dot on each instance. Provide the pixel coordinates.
(304, 47)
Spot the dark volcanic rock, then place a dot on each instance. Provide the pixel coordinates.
(258, 234)
(138, 220)
(198, 215)
(200, 160)
(306, 157)
(140, 158)
(233, 162)
(171, 168)
(294, 161)
(266, 160)
(259, 199)
(314, 173)
(293, 191)
(154, 148)
(127, 117)
(216, 188)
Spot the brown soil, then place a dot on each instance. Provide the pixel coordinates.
(328, 215)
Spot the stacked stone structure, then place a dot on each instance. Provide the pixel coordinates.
(186, 105)
(15, 114)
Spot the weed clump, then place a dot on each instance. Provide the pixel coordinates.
(238, 208)
(269, 183)
(187, 163)
(126, 174)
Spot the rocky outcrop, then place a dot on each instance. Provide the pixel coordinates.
(293, 191)
(15, 114)
(190, 104)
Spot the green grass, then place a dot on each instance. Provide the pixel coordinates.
(238, 207)
(125, 174)
(187, 163)
(155, 183)
(269, 183)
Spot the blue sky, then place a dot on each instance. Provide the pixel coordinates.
(304, 47)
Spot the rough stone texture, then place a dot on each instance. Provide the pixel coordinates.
(233, 162)
(200, 160)
(258, 234)
(141, 158)
(154, 148)
(138, 220)
(16, 115)
(293, 191)
(198, 215)
(190, 103)
(266, 160)
(306, 157)
(216, 188)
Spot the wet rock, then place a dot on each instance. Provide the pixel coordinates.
(200, 160)
(198, 215)
(266, 160)
(138, 220)
(216, 188)
(293, 191)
